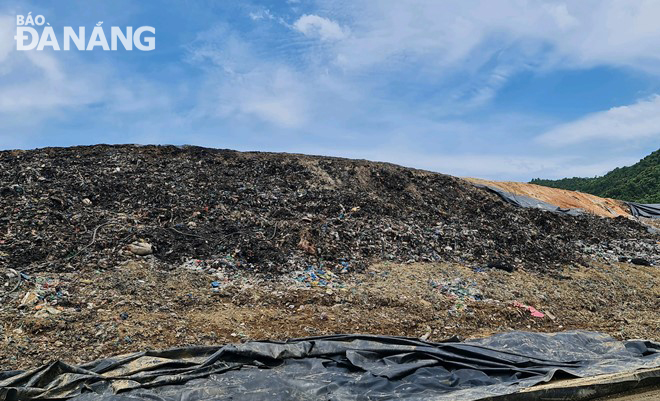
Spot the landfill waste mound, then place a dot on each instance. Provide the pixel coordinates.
(67, 208)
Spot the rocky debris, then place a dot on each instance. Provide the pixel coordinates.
(66, 209)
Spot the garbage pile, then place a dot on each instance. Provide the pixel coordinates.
(64, 209)
(458, 288)
(315, 277)
(460, 291)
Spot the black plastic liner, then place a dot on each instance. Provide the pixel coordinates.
(649, 210)
(528, 202)
(341, 367)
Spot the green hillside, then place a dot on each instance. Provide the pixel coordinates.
(637, 183)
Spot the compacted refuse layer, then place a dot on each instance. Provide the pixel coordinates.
(64, 209)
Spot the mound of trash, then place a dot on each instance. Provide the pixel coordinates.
(64, 209)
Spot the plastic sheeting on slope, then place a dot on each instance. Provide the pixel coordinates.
(341, 367)
(526, 201)
(649, 210)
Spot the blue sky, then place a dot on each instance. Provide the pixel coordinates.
(507, 90)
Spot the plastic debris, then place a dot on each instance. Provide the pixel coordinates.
(458, 288)
(532, 311)
(140, 248)
(315, 277)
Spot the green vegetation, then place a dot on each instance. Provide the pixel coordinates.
(637, 183)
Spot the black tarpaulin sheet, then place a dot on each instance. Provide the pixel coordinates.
(528, 202)
(341, 367)
(649, 210)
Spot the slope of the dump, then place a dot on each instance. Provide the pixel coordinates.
(63, 209)
(563, 198)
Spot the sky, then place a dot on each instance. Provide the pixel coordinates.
(498, 89)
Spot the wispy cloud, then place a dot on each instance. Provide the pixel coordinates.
(584, 33)
(640, 120)
(323, 28)
(240, 86)
(261, 14)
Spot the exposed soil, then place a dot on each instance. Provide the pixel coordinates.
(604, 207)
(140, 306)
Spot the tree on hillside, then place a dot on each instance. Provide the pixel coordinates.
(637, 183)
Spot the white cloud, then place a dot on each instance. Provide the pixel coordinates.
(240, 86)
(493, 166)
(640, 120)
(561, 15)
(42, 87)
(581, 34)
(274, 96)
(261, 14)
(323, 28)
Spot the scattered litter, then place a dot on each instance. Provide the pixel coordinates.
(30, 298)
(640, 262)
(315, 277)
(140, 248)
(531, 309)
(458, 288)
(10, 280)
(47, 310)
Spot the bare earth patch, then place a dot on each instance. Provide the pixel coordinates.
(140, 305)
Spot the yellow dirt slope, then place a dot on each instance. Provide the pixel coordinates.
(605, 207)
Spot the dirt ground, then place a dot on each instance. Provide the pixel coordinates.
(142, 305)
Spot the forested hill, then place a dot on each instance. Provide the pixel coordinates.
(637, 183)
